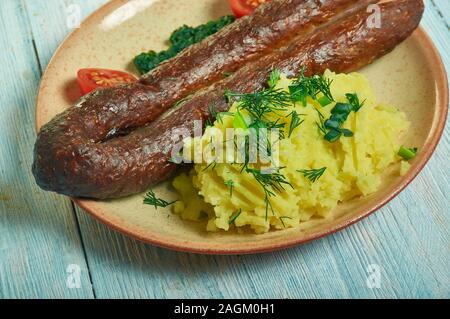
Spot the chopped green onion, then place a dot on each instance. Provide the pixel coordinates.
(239, 121)
(313, 86)
(407, 153)
(332, 128)
(298, 94)
(347, 133)
(333, 135)
(324, 101)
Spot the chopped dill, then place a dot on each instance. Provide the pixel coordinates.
(209, 122)
(211, 165)
(152, 200)
(230, 185)
(295, 122)
(321, 123)
(258, 104)
(313, 174)
(215, 115)
(313, 86)
(282, 220)
(268, 125)
(271, 183)
(235, 216)
(353, 99)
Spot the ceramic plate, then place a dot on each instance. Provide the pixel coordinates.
(412, 77)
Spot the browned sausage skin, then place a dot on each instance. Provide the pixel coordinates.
(69, 164)
(115, 111)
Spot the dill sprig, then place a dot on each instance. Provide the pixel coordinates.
(211, 165)
(268, 125)
(152, 200)
(295, 122)
(230, 184)
(235, 216)
(282, 218)
(321, 123)
(313, 86)
(270, 183)
(353, 99)
(214, 115)
(259, 104)
(209, 122)
(313, 174)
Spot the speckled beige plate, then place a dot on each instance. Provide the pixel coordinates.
(412, 77)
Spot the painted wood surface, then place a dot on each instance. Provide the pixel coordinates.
(39, 236)
(42, 234)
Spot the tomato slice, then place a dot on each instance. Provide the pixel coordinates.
(92, 79)
(245, 7)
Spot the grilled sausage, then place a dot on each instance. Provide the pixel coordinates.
(66, 161)
(116, 111)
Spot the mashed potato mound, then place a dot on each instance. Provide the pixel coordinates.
(354, 166)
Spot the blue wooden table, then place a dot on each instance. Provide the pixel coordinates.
(49, 248)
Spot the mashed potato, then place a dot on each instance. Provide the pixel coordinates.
(354, 166)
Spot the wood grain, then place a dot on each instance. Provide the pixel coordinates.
(39, 236)
(408, 239)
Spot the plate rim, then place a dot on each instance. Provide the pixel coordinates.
(442, 89)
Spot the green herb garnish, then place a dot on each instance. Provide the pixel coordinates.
(180, 40)
(313, 174)
(274, 77)
(230, 185)
(331, 128)
(211, 165)
(407, 153)
(271, 183)
(152, 200)
(214, 115)
(284, 217)
(258, 104)
(235, 216)
(354, 101)
(295, 122)
(324, 101)
(317, 87)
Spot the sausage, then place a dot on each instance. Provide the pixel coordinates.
(67, 162)
(116, 111)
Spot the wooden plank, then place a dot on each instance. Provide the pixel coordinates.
(52, 20)
(442, 8)
(408, 240)
(39, 236)
(435, 21)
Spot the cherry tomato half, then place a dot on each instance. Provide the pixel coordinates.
(245, 7)
(92, 79)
